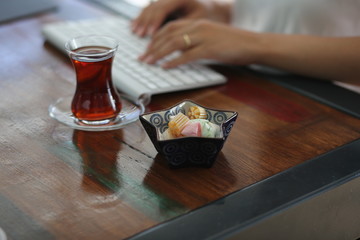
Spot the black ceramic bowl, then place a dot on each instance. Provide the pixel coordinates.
(188, 151)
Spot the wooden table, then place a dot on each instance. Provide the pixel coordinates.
(56, 182)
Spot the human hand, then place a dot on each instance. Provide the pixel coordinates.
(154, 15)
(202, 39)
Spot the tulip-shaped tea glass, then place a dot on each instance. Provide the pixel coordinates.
(96, 101)
(96, 104)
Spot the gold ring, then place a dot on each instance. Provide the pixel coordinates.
(187, 40)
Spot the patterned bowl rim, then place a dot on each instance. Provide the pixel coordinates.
(234, 114)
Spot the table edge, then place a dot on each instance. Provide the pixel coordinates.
(250, 205)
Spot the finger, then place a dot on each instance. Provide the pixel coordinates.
(151, 24)
(162, 48)
(190, 55)
(139, 20)
(169, 31)
(167, 42)
(161, 39)
(152, 17)
(166, 49)
(155, 25)
(147, 22)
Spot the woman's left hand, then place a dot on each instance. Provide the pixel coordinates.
(201, 39)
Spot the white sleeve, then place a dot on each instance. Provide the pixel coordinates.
(315, 17)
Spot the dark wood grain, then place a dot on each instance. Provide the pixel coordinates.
(69, 184)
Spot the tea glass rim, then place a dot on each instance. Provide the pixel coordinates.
(87, 38)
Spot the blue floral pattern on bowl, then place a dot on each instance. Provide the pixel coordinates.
(188, 151)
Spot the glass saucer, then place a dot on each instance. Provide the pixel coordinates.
(61, 111)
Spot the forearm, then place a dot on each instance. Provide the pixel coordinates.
(322, 57)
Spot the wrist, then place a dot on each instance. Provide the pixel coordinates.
(264, 48)
(252, 48)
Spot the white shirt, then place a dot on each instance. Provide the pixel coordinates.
(315, 17)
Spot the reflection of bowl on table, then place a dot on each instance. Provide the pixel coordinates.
(185, 151)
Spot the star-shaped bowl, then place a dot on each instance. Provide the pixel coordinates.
(188, 151)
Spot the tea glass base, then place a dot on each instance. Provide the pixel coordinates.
(95, 123)
(61, 111)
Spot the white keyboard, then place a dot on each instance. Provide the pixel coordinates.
(130, 76)
(128, 8)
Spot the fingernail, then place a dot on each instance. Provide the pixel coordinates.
(139, 31)
(141, 57)
(166, 65)
(149, 59)
(133, 27)
(170, 64)
(151, 31)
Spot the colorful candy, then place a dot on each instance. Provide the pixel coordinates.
(177, 124)
(196, 112)
(194, 124)
(192, 129)
(200, 128)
